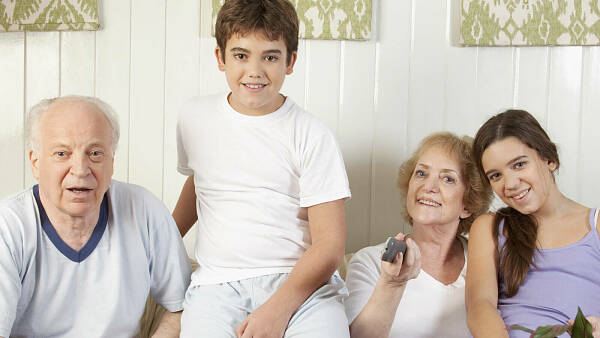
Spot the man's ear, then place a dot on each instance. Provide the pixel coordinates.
(220, 58)
(290, 67)
(34, 160)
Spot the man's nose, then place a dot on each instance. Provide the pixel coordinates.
(80, 165)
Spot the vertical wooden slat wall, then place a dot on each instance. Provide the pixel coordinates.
(379, 97)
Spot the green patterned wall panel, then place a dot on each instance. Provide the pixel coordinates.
(48, 15)
(327, 19)
(530, 22)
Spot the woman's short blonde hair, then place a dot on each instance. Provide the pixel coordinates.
(478, 194)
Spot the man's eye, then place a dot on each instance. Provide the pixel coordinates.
(96, 153)
(61, 153)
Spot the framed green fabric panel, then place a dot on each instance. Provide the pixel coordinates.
(48, 15)
(327, 19)
(530, 22)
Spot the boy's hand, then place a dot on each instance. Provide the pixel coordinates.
(404, 268)
(267, 321)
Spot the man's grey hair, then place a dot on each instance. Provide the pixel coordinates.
(32, 132)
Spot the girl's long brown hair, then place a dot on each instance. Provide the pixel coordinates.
(516, 256)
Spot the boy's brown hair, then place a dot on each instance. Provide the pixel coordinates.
(275, 19)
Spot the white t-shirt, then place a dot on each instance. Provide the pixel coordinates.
(428, 308)
(48, 289)
(254, 177)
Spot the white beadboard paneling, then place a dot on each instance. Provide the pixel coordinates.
(182, 79)
(294, 84)
(323, 81)
(356, 135)
(461, 92)
(212, 80)
(564, 112)
(42, 78)
(112, 72)
(532, 81)
(147, 76)
(495, 81)
(391, 108)
(77, 63)
(589, 144)
(427, 93)
(12, 151)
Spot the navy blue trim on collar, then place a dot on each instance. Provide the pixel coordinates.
(67, 251)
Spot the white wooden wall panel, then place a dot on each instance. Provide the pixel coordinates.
(564, 114)
(182, 78)
(532, 80)
(323, 81)
(147, 76)
(589, 143)
(42, 78)
(77, 63)
(356, 135)
(112, 61)
(391, 107)
(12, 77)
(294, 85)
(379, 97)
(427, 93)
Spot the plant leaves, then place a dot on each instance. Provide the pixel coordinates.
(581, 327)
(519, 327)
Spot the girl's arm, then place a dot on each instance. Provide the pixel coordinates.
(481, 295)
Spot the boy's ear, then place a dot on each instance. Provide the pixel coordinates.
(290, 67)
(220, 57)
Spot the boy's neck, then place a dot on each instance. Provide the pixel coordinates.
(262, 110)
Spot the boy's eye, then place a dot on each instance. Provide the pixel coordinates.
(271, 58)
(239, 56)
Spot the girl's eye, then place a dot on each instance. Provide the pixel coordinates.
(520, 164)
(494, 176)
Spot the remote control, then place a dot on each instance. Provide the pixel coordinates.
(392, 248)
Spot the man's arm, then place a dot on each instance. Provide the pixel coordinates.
(169, 326)
(328, 233)
(481, 294)
(185, 214)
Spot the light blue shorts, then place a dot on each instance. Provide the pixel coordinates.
(216, 310)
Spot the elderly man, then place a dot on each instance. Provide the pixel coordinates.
(79, 252)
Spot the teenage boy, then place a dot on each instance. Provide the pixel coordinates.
(267, 185)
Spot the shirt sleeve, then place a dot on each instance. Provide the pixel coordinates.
(169, 264)
(182, 156)
(323, 174)
(361, 278)
(10, 282)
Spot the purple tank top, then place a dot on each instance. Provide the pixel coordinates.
(565, 278)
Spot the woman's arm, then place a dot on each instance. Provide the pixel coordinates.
(482, 284)
(376, 318)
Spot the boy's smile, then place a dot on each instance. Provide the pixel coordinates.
(255, 69)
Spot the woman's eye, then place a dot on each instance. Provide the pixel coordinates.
(449, 179)
(419, 173)
(494, 176)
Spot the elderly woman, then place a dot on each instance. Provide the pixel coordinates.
(421, 294)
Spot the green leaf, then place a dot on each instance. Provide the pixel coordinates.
(582, 327)
(519, 327)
